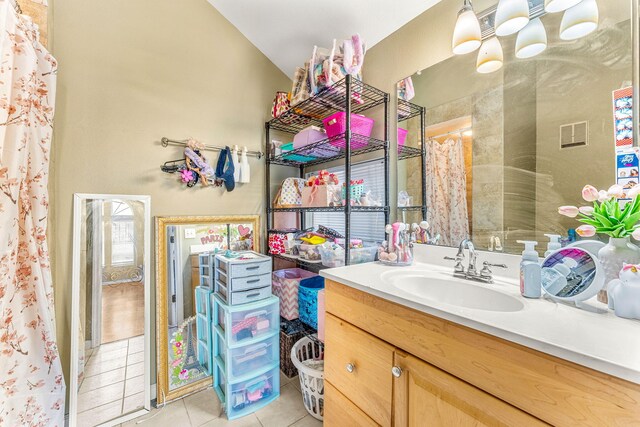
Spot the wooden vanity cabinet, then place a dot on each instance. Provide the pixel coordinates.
(389, 365)
(425, 395)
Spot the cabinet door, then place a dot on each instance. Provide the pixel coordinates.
(358, 365)
(340, 411)
(423, 395)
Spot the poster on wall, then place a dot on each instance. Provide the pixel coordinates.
(627, 170)
(623, 117)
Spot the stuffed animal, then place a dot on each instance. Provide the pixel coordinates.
(624, 293)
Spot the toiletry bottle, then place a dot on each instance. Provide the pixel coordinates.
(530, 281)
(553, 245)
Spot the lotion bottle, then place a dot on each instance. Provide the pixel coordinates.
(530, 271)
(553, 245)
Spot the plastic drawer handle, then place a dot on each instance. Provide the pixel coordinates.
(253, 281)
(254, 267)
(256, 294)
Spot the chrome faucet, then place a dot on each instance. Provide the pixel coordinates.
(471, 273)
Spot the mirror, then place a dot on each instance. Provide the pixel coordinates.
(110, 365)
(504, 149)
(571, 274)
(184, 352)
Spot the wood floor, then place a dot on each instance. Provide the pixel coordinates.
(122, 311)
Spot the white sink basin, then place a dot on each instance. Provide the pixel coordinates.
(446, 289)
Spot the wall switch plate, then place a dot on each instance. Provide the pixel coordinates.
(189, 233)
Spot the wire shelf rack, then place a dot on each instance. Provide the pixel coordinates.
(408, 152)
(307, 265)
(330, 149)
(409, 208)
(328, 101)
(407, 110)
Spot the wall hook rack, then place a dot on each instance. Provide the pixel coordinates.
(166, 142)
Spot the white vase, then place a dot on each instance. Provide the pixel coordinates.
(612, 256)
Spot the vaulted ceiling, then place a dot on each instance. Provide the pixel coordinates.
(286, 30)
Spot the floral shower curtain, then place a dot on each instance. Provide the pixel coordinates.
(32, 389)
(447, 191)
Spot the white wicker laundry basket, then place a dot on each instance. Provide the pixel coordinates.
(311, 380)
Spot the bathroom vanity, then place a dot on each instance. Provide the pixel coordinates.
(400, 351)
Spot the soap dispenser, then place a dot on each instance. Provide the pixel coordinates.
(553, 245)
(530, 271)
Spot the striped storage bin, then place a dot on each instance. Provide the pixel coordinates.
(285, 285)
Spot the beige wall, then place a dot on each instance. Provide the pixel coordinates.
(131, 72)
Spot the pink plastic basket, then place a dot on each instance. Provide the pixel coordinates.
(402, 137)
(336, 124)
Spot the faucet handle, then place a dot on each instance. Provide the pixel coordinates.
(458, 268)
(486, 271)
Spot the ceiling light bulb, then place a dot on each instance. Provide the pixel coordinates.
(579, 20)
(532, 40)
(490, 56)
(553, 6)
(466, 34)
(511, 16)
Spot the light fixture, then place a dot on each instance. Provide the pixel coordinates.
(532, 40)
(553, 6)
(511, 16)
(579, 20)
(467, 36)
(468, 132)
(490, 56)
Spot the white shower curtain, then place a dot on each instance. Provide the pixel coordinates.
(447, 191)
(32, 389)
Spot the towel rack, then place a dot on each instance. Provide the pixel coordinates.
(166, 142)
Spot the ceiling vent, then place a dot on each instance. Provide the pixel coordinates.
(574, 135)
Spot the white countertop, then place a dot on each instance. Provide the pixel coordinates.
(594, 338)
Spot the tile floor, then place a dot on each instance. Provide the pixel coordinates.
(113, 381)
(203, 409)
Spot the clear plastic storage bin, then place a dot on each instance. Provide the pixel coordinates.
(333, 256)
(248, 359)
(247, 396)
(246, 323)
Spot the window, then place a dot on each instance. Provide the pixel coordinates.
(367, 226)
(122, 234)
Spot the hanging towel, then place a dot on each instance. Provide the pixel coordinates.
(245, 171)
(222, 175)
(236, 164)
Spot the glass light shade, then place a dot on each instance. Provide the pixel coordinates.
(579, 20)
(511, 16)
(532, 40)
(466, 35)
(490, 56)
(553, 6)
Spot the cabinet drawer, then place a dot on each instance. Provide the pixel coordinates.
(242, 297)
(244, 283)
(339, 411)
(359, 366)
(248, 323)
(248, 264)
